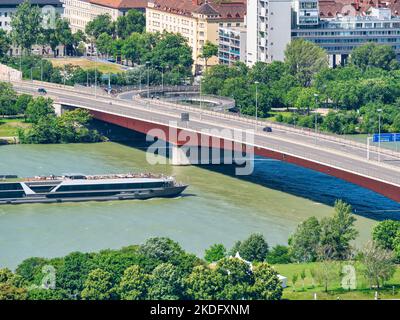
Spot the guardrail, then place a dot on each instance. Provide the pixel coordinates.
(301, 131)
(242, 118)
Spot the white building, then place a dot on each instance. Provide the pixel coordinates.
(306, 12)
(8, 7)
(80, 12)
(268, 29)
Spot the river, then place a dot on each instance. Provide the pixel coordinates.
(217, 207)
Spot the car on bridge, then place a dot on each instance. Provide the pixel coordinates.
(267, 129)
(42, 90)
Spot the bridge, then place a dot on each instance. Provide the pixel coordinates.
(328, 154)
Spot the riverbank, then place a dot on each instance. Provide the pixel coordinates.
(9, 129)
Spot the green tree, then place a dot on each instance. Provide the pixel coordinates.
(5, 43)
(31, 268)
(254, 248)
(22, 102)
(374, 55)
(326, 273)
(204, 283)
(267, 285)
(305, 59)
(47, 294)
(104, 43)
(38, 108)
(7, 99)
(338, 231)
(385, 233)
(166, 283)
(132, 21)
(172, 51)
(378, 264)
(295, 277)
(98, 286)
(26, 24)
(161, 249)
(237, 278)
(11, 292)
(134, 284)
(100, 24)
(208, 51)
(74, 271)
(304, 243)
(215, 252)
(279, 255)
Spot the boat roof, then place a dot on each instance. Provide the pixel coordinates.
(113, 181)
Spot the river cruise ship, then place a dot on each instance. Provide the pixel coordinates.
(78, 187)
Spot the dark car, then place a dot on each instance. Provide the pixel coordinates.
(42, 90)
(267, 129)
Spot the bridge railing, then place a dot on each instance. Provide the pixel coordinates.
(298, 130)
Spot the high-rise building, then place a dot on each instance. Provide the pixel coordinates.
(306, 12)
(268, 29)
(232, 45)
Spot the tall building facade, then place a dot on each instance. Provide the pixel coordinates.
(232, 45)
(268, 29)
(196, 20)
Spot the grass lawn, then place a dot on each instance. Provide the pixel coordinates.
(335, 290)
(9, 127)
(87, 64)
(274, 113)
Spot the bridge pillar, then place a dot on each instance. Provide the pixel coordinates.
(195, 155)
(58, 109)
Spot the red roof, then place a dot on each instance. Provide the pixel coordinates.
(330, 8)
(121, 4)
(234, 9)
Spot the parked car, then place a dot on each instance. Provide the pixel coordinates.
(42, 90)
(267, 129)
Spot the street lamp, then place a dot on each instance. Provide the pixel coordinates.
(256, 83)
(379, 134)
(148, 79)
(162, 77)
(201, 95)
(316, 114)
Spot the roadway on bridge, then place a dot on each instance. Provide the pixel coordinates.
(341, 155)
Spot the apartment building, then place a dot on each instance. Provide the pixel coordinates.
(80, 12)
(268, 29)
(232, 45)
(8, 7)
(196, 20)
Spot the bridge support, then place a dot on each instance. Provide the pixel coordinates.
(58, 109)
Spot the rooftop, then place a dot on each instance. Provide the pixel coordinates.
(225, 9)
(121, 4)
(331, 8)
(34, 2)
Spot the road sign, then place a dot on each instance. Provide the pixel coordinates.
(386, 137)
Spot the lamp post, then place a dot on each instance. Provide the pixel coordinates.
(148, 79)
(41, 70)
(95, 77)
(201, 95)
(256, 83)
(379, 133)
(316, 116)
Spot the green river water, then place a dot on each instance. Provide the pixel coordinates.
(216, 208)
